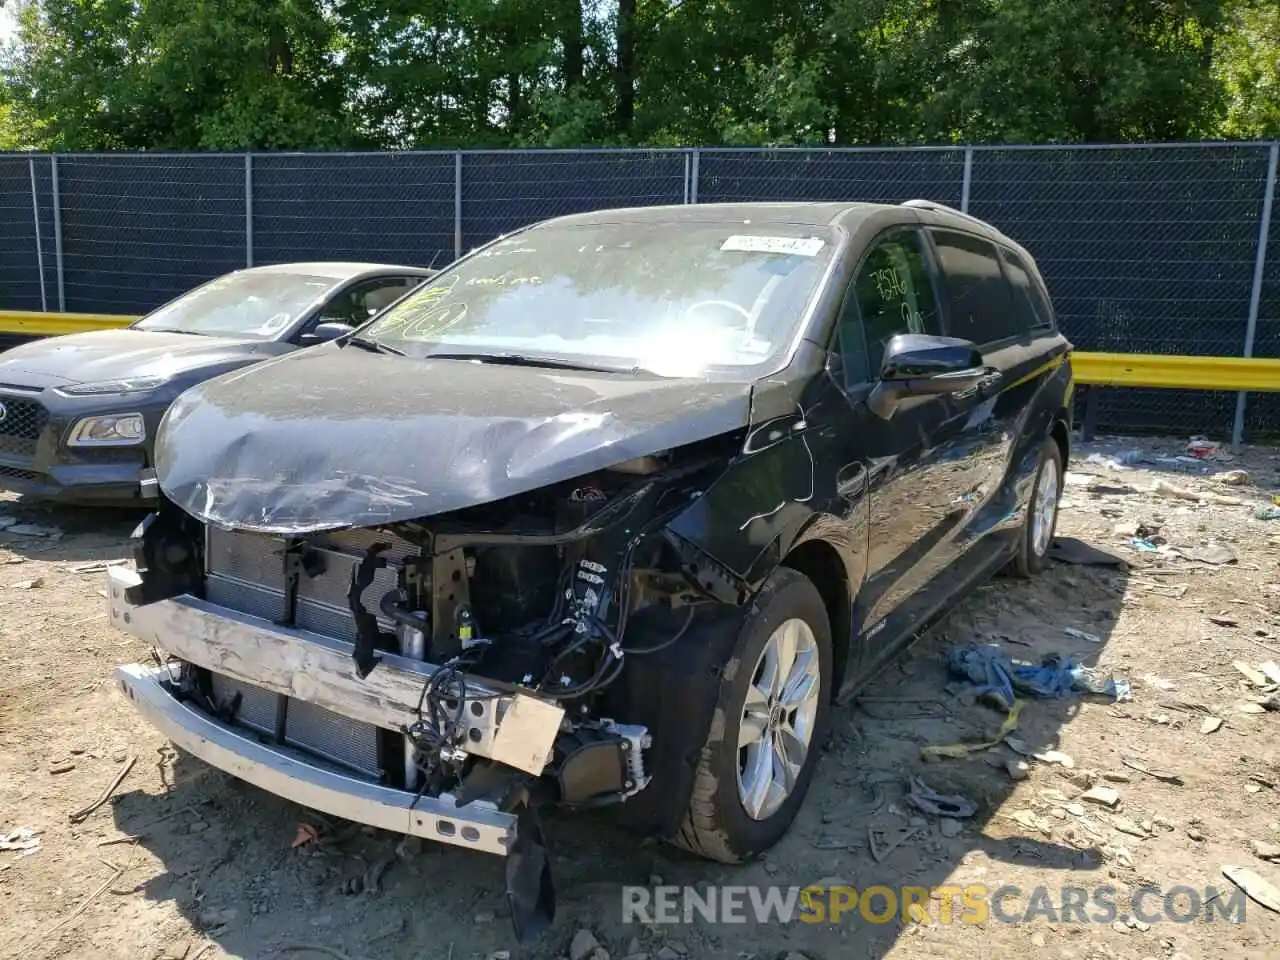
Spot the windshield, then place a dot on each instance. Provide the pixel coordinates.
(677, 299)
(256, 306)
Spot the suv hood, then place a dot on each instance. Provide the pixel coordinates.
(112, 354)
(336, 437)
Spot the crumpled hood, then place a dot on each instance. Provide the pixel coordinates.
(112, 354)
(334, 437)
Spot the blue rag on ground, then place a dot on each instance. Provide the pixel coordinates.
(995, 676)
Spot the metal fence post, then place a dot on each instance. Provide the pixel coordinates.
(248, 209)
(693, 175)
(57, 233)
(967, 181)
(687, 167)
(457, 205)
(35, 220)
(1255, 295)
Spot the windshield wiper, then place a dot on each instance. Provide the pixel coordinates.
(375, 346)
(529, 360)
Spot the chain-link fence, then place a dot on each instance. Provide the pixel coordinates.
(1146, 248)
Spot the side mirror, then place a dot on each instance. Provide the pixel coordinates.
(324, 332)
(917, 365)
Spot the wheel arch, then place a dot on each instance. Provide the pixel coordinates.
(820, 561)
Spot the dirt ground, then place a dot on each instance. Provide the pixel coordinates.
(1192, 759)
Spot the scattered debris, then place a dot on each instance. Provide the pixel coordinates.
(1115, 461)
(307, 833)
(1256, 677)
(930, 801)
(23, 839)
(373, 876)
(1255, 888)
(1058, 757)
(1106, 796)
(83, 813)
(1233, 478)
(1125, 825)
(1202, 448)
(583, 945)
(1081, 635)
(1265, 850)
(995, 676)
(1163, 775)
(1210, 724)
(950, 828)
(1214, 553)
(98, 566)
(62, 766)
(1163, 488)
(1028, 819)
(1018, 769)
(84, 904)
(29, 584)
(880, 846)
(1223, 620)
(1270, 670)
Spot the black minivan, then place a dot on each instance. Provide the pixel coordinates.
(611, 509)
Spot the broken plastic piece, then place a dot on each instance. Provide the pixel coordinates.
(927, 800)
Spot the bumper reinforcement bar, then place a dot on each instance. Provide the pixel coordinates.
(479, 826)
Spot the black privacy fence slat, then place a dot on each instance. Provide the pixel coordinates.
(386, 208)
(504, 191)
(1146, 249)
(877, 176)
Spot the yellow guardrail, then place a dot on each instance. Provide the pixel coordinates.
(33, 323)
(1089, 369)
(1175, 372)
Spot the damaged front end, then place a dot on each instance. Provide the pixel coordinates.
(449, 677)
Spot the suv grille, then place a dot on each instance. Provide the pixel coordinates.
(21, 425)
(13, 473)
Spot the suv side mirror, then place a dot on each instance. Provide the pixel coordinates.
(917, 365)
(324, 332)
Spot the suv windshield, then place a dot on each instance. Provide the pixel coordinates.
(256, 306)
(676, 298)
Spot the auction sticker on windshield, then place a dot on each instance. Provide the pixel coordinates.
(795, 246)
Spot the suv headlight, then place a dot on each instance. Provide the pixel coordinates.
(123, 385)
(114, 430)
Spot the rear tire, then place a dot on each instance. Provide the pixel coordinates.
(769, 723)
(1042, 514)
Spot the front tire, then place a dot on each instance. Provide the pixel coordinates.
(1042, 514)
(770, 720)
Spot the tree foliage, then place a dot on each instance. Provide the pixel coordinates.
(223, 74)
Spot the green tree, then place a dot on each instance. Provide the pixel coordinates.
(148, 74)
(132, 74)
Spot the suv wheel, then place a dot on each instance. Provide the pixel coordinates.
(768, 727)
(1042, 514)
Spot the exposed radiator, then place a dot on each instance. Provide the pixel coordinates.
(245, 572)
(347, 743)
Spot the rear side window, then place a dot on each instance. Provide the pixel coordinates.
(982, 309)
(1029, 298)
